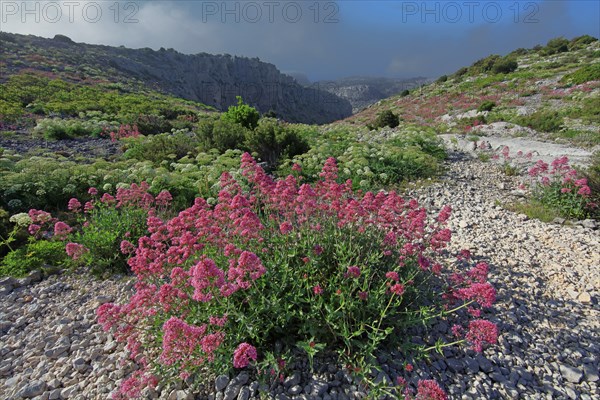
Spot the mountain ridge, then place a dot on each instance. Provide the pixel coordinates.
(214, 80)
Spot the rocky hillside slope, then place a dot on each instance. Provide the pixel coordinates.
(214, 80)
(550, 92)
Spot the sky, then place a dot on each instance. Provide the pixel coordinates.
(321, 39)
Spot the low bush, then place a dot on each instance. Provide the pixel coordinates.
(581, 42)
(165, 146)
(272, 140)
(316, 267)
(486, 106)
(554, 46)
(592, 174)
(33, 256)
(541, 121)
(504, 66)
(584, 74)
(222, 135)
(58, 129)
(108, 226)
(387, 118)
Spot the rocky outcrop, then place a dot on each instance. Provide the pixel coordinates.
(214, 80)
(361, 92)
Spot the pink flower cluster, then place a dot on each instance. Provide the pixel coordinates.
(125, 131)
(75, 250)
(562, 174)
(201, 256)
(243, 354)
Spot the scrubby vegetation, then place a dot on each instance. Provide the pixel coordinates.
(250, 237)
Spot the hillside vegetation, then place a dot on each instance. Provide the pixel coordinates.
(214, 80)
(552, 89)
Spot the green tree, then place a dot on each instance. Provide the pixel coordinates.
(242, 114)
(387, 118)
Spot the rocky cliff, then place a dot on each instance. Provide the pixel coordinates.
(361, 92)
(214, 80)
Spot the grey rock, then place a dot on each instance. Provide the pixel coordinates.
(589, 223)
(295, 390)
(221, 382)
(9, 383)
(591, 373)
(79, 364)
(109, 347)
(35, 276)
(69, 392)
(7, 285)
(484, 364)
(20, 282)
(471, 364)
(184, 395)
(293, 379)
(235, 385)
(62, 346)
(497, 377)
(244, 393)
(570, 373)
(454, 365)
(32, 389)
(571, 393)
(54, 394)
(102, 299)
(5, 326)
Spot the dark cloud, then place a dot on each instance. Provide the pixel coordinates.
(386, 39)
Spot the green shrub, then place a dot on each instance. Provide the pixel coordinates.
(387, 118)
(149, 124)
(461, 71)
(562, 188)
(556, 45)
(424, 139)
(33, 256)
(487, 105)
(59, 129)
(222, 135)
(504, 66)
(584, 74)
(161, 147)
(581, 42)
(273, 140)
(24, 91)
(442, 79)
(242, 114)
(414, 153)
(484, 65)
(404, 93)
(542, 121)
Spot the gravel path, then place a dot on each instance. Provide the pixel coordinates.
(547, 277)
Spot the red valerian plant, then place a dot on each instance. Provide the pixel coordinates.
(559, 187)
(278, 261)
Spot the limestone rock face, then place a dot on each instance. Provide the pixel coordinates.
(214, 80)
